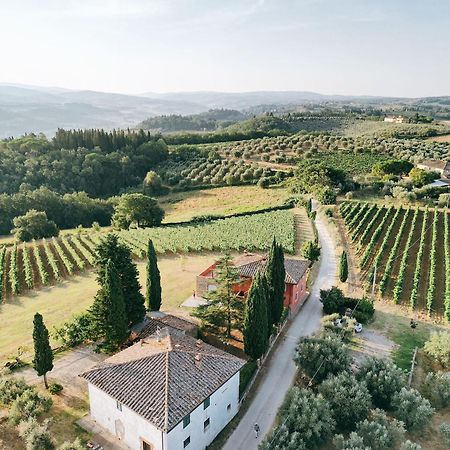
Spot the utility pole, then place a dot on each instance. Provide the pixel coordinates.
(373, 281)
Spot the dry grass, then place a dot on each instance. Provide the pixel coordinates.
(443, 138)
(227, 200)
(58, 303)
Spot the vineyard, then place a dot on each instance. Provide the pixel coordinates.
(31, 266)
(407, 249)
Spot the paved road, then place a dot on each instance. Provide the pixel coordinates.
(281, 369)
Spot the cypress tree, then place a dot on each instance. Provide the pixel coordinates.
(256, 333)
(111, 249)
(43, 355)
(343, 267)
(276, 274)
(108, 309)
(153, 296)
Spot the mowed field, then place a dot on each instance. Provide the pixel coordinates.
(411, 252)
(225, 200)
(58, 303)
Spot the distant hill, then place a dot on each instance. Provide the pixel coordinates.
(26, 109)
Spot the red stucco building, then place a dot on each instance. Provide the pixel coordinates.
(297, 271)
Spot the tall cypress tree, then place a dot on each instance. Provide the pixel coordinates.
(43, 355)
(343, 267)
(153, 295)
(256, 332)
(111, 249)
(276, 274)
(108, 309)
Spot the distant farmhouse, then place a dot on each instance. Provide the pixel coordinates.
(297, 271)
(396, 119)
(169, 391)
(440, 167)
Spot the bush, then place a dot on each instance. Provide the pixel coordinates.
(29, 404)
(353, 442)
(412, 409)
(34, 225)
(306, 422)
(379, 432)
(349, 399)
(408, 445)
(436, 388)
(321, 356)
(438, 347)
(75, 445)
(263, 183)
(246, 375)
(445, 433)
(55, 388)
(311, 251)
(344, 330)
(80, 329)
(11, 388)
(384, 379)
(35, 435)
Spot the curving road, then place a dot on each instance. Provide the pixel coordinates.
(280, 371)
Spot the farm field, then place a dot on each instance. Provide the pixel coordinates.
(59, 303)
(409, 248)
(225, 200)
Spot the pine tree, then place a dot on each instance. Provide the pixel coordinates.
(343, 267)
(256, 332)
(276, 273)
(111, 249)
(153, 296)
(224, 309)
(43, 355)
(108, 309)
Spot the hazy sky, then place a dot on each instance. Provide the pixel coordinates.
(374, 47)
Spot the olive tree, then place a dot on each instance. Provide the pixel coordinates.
(412, 409)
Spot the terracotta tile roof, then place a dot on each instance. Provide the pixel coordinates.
(163, 321)
(164, 379)
(295, 269)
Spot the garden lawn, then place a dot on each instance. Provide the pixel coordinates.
(224, 201)
(58, 303)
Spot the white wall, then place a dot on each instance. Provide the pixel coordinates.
(106, 414)
(217, 413)
(104, 411)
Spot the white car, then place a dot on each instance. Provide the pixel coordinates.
(358, 327)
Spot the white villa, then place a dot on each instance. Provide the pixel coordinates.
(167, 392)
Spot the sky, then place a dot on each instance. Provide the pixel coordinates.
(350, 47)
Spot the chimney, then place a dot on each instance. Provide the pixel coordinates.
(198, 360)
(142, 342)
(199, 343)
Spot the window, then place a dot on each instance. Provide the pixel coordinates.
(119, 406)
(206, 403)
(146, 445)
(229, 407)
(186, 421)
(206, 424)
(186, 442)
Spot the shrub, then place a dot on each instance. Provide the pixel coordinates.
(246, 375)
(353, 442)
(306, 422)
(332, 299)
(310, 250)
(35, 435)
(78, 330)
(384, 379)
(438, 347)
(412, 409)
(349, 399)
(408, 445)
(445, 433)
(29, 404)
(379, 432)
(436, 388)
(344, 330)
(55, 388)
(321, 356)
(11, 388)
(75, 445)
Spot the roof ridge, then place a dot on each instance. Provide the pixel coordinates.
(216, 355)
(166, 396)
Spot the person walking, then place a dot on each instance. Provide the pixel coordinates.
(256, 428)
